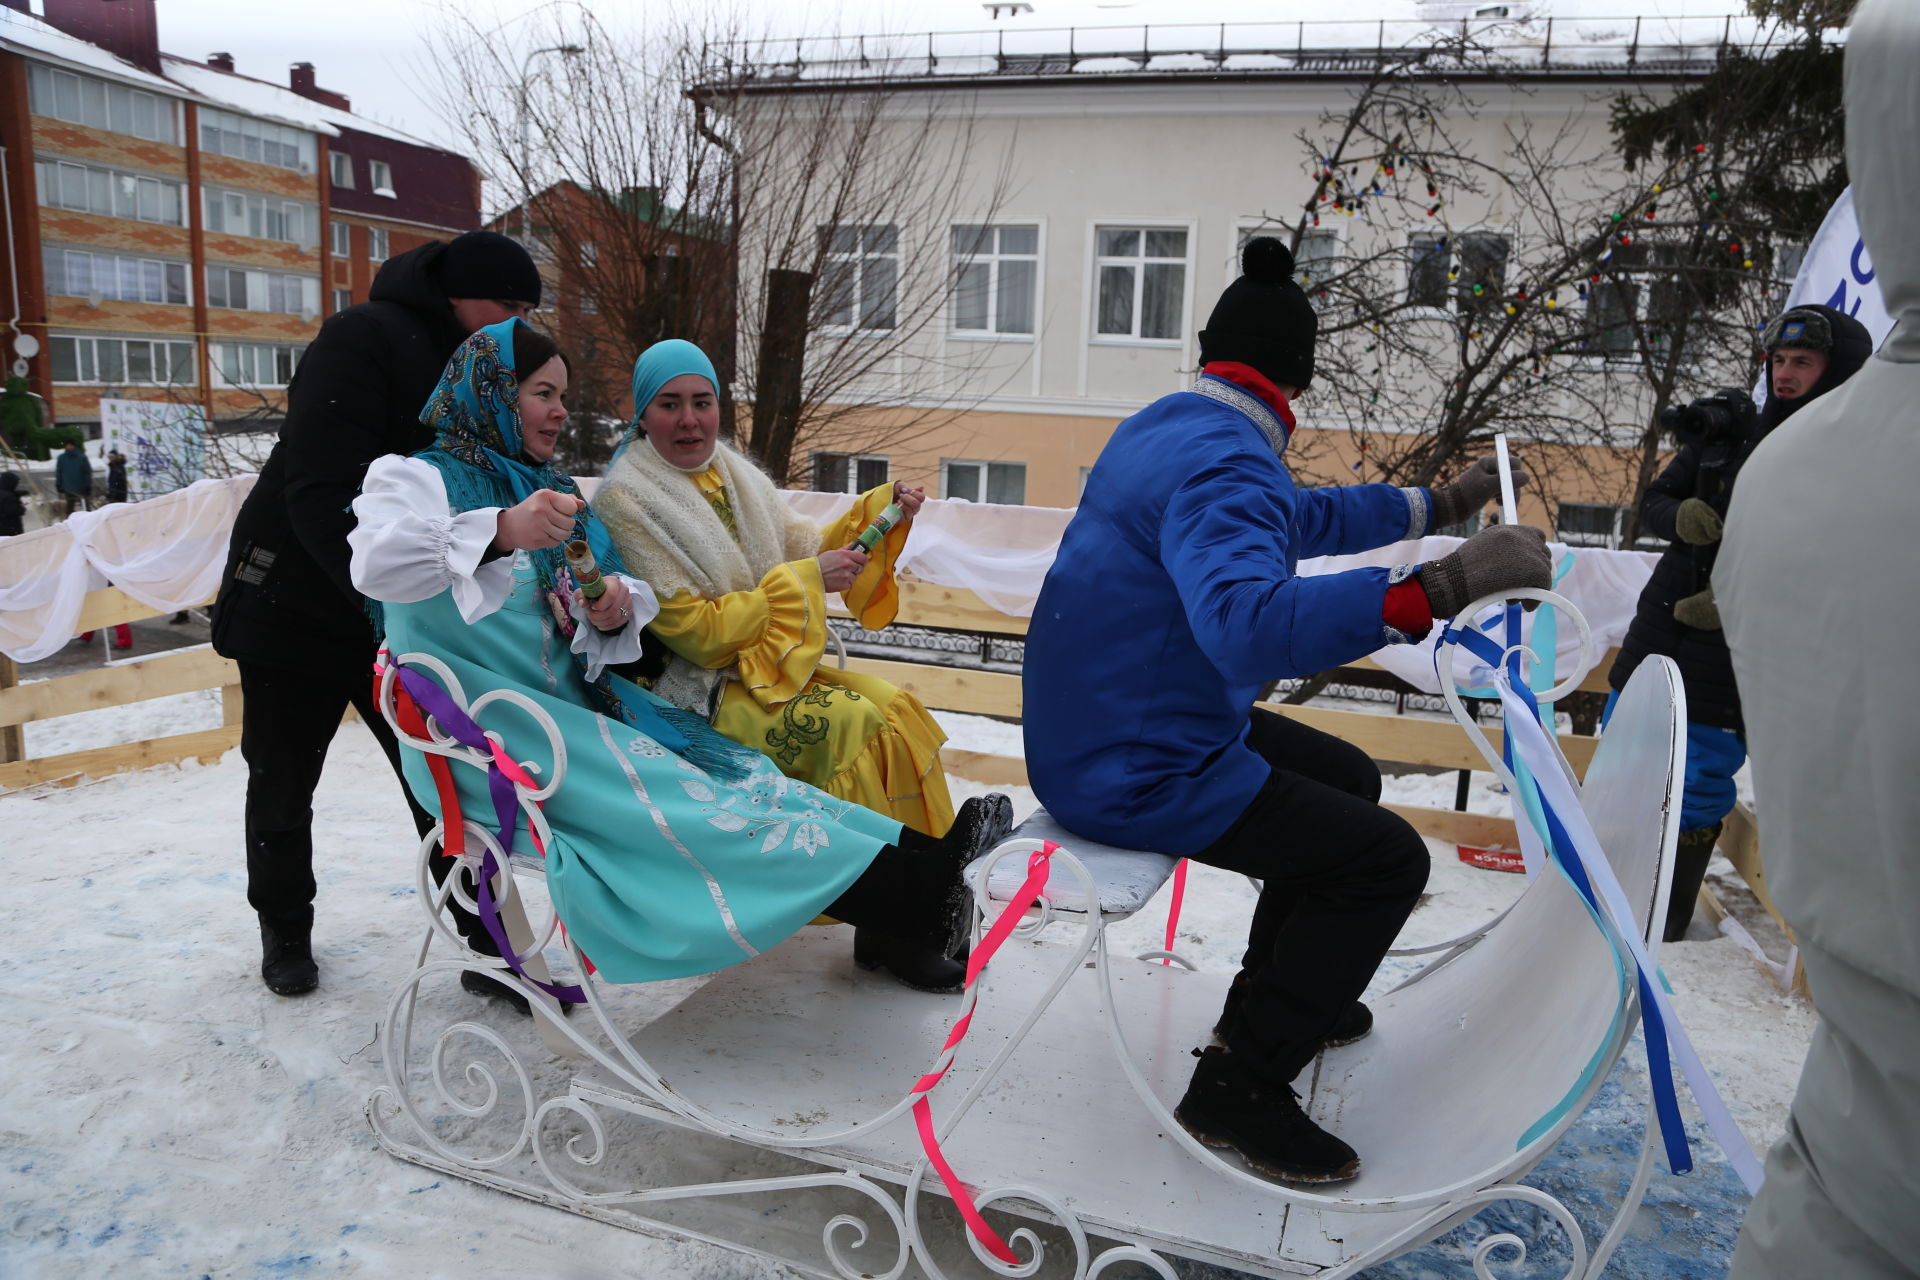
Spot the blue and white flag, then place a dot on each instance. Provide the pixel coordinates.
(1838, 272)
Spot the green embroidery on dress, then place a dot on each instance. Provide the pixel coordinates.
(717, 499)
(798, 730)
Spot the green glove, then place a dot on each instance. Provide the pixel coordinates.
(1698, 523)
(1698, 610)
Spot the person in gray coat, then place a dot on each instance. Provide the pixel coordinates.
(1819, 593)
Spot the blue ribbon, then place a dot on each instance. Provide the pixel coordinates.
(1560, 847)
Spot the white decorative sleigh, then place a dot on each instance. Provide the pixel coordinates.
(768, 1108)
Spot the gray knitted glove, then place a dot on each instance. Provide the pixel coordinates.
(1698, 523)
(1496, 559)
(1478, 485)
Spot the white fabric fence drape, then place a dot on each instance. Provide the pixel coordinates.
(166, 552)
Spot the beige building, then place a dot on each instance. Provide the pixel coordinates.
(1085, 267)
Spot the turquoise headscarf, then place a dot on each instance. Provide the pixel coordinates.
(658, 365)
(477, 448)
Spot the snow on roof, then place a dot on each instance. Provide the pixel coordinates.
(273, 102)
(23, 33)
(186, 78)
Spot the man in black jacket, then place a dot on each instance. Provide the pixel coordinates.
(1810, 351)
(287, 612)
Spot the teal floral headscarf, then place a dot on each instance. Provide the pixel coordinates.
(477, 448)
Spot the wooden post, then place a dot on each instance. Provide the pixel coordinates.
(13, 737)
(231, 705)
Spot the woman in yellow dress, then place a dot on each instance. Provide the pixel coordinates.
(743, 580)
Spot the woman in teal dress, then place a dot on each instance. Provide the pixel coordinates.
(674, 852)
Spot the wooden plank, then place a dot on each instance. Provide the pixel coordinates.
(110, 606)
(232, 705)
(1406, 740)
(987, 693)
(1740, 842)
(182, 671)
(985, 767)
(922, 604)
(13, 739)
(207, 746)
(1476, 830)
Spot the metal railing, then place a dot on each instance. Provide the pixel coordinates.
(1635, 44)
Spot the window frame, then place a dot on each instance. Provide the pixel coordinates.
(110, 180)
(264, 133)
(1246, 230)
(254, 352)
(985, 472)
(58, 281)
(375, 170)
(340, 239)
(850, 473)
(1037, 257)
(339, 162)
(379, 244)
(46, 103)
(1097, 260)
(1457, 291)
(220, 198)
(856, 286)
(92, 343)
(310, 301)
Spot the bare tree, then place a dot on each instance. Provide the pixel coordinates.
(691, 195)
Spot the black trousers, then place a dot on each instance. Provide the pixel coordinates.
(907, 892)
(1340, 875)
(287, 721)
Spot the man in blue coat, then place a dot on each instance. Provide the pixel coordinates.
(1172, 602)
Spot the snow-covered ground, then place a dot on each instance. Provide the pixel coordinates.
(164, 1115)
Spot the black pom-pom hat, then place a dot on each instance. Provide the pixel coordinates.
(1264, 319)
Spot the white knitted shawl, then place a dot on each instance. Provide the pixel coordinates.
(671, 538)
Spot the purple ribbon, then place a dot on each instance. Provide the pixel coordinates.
(453, 718)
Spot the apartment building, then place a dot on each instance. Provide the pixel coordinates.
(1119, 170)
(179, 229)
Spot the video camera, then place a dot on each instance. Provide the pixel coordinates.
(1725, 415)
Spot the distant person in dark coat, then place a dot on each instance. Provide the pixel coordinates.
(116, 476)
(73, 477)
(13, 511)
(1810, 351)
(287, 611)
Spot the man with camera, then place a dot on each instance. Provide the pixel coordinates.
(1810, 350)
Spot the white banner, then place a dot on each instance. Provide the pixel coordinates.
(1838, 272)
(165, 443)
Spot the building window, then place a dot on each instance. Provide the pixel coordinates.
(76, 274)
(113, 193)
(245, 138)
(377, 244)
(861, 278)
(1004, 482)
(237, 213)
(99, 105)
(239, 290)
(342, 299)
(848, 473)
(341, 242)
(1444, 271)
(109, 361)
(1642, 289)
(380, 174)
(996, 276)
(254, 364)
(1142, 274)
(340, 169)
(1589, 524)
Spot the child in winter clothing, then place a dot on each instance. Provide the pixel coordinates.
(1172, 602)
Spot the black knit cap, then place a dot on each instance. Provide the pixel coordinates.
(486, 264)
(1264, 319)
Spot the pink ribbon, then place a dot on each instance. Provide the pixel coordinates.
(1173, 910)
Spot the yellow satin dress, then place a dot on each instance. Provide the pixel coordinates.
(854, 736)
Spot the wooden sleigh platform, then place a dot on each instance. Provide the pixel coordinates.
(767, 1109)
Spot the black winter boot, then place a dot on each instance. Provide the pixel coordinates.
(1354, 1023)
(487, 986)
(912, 963)
(1228, 1105)
(286, 957)
(1690, 858)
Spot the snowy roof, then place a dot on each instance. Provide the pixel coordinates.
(186, 78)
(23, 33)
(273, 102)
(1162, 37)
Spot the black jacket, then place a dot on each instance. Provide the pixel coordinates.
(12, 510)
(1707, 471)
(287, 598)
(116, 481)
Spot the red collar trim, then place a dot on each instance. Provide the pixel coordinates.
(1248, 378)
